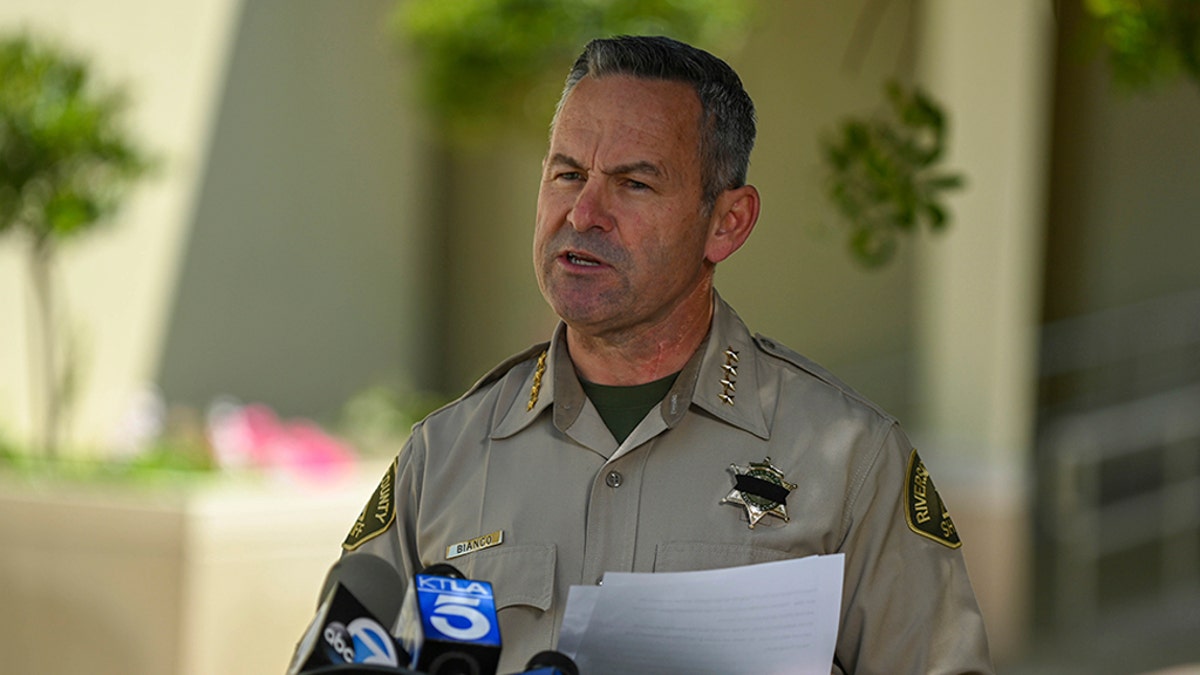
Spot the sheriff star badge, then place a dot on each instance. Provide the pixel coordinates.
(761, 489)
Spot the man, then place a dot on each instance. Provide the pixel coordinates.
(654, 432)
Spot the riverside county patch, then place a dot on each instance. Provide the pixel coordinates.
(377, 515)
(923, 508)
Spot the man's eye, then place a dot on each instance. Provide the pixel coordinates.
(636, 185)
(570, 176)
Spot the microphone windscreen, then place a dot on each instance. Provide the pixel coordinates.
(443, 570)
(554, 661)
(373, 581)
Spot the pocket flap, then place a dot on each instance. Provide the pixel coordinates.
(520, 574)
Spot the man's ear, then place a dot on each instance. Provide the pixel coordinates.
(733, 218)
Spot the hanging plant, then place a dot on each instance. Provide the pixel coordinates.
(489, 66)
(884, 174)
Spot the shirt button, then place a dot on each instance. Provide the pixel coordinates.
(613, 479)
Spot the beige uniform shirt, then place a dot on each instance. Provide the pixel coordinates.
(525, 454)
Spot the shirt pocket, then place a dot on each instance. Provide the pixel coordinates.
(690, 556)
(521, 575)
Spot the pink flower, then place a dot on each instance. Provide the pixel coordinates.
(252, 436)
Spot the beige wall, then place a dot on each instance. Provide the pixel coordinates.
(794, 279)
(978, 294)
(306, 275)
(1124, 224)
(493, 308)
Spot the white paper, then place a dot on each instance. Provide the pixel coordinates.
(581, 600)
(777, 618)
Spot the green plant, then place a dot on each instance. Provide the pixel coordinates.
(65, 163)
(378, 419)
(482, 61)
(884, 176)
(1148, 42)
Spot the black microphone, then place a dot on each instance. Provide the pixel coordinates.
(448, 624)
(360, 599)
(550, 662)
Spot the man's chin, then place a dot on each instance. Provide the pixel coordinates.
(586, 318)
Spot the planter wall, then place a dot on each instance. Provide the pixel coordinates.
(217, 580)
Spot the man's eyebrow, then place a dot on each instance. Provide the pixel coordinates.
(643, 167)
(560, 159)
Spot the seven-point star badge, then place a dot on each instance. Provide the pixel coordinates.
(760, 488)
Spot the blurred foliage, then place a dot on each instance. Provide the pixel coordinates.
(162, 464)
(65, 160)
(883, 172)
(183, 445)
(379, 419)
(489, 66)
(65, 164)
(177, 455)
(1148, 42)
(884, 177)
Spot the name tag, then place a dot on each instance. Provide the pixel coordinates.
(477, 544)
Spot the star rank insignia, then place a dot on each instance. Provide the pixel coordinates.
(729, 376)
(760, 488)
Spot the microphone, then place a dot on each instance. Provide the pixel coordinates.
(448, 624)
(361, 596)
(550, 662)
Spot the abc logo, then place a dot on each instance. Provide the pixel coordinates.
(363, 641)
(338, 643)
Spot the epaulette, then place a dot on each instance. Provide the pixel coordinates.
(505, 366)
(493, 375)
(809, 366)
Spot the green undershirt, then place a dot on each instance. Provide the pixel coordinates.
(623, 408)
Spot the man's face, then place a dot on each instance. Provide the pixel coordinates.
(621, 228)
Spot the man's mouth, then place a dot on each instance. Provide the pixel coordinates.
(577, 259)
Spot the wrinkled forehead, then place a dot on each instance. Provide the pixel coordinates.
(623, 110)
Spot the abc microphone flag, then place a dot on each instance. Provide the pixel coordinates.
(449, 625)
(345, 630)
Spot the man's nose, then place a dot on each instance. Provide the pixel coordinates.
(591, 208)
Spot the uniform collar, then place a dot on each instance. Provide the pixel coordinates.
(720, 378)
(725, 382)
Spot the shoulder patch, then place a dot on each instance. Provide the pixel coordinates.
(923, 507)
(379, 513)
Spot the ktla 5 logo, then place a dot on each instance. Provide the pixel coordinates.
(363, 641)
(459, 609)
(450, 585)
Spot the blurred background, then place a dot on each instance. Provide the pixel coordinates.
(327, 233)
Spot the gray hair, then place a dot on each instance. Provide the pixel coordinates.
(727, 113)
